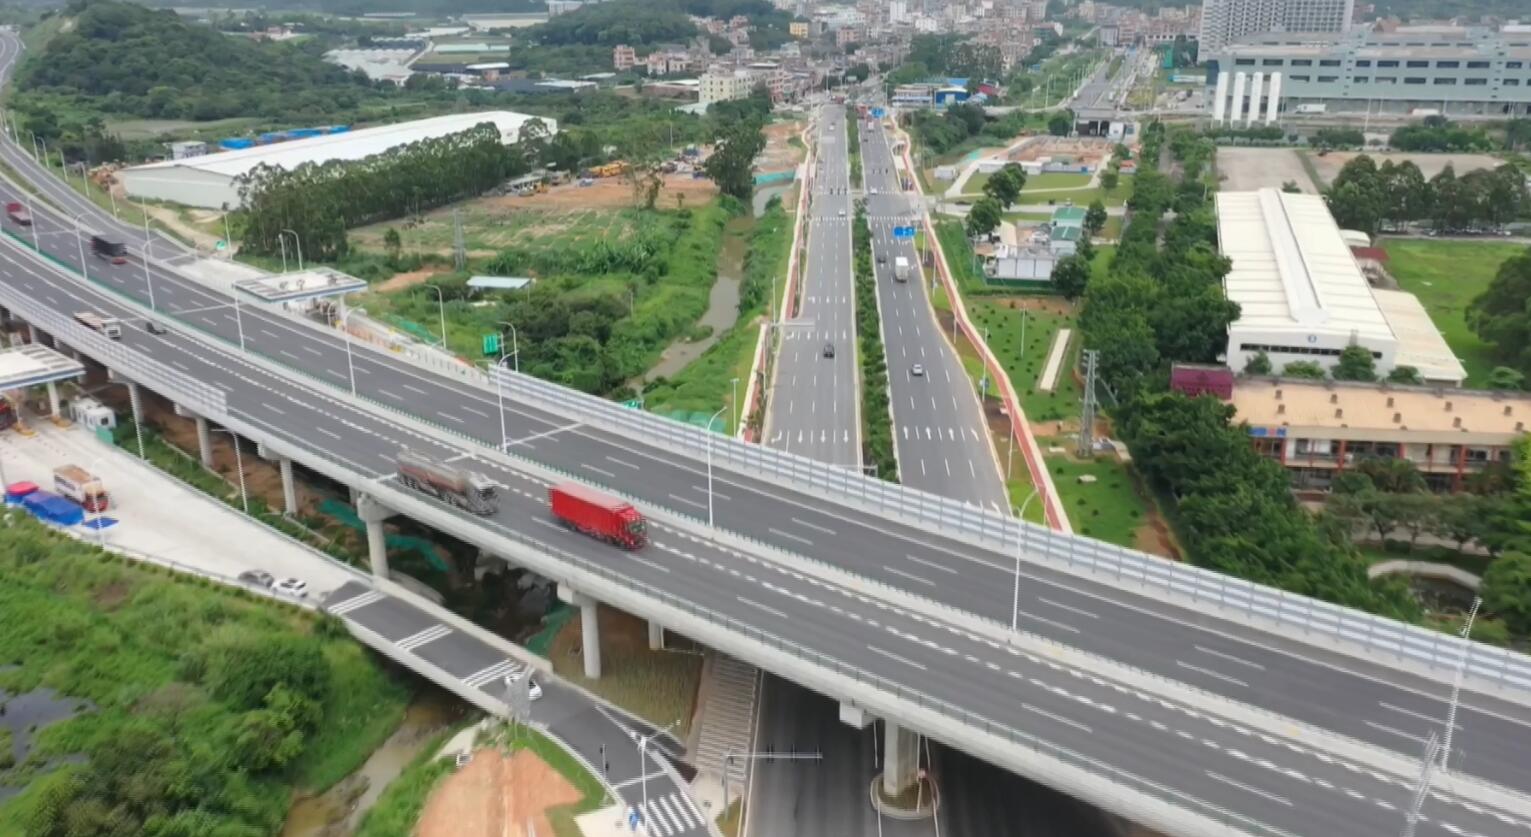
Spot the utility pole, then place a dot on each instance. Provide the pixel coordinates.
(1456, 688)
(1422, 787)
(1087, 414)
(459, 249)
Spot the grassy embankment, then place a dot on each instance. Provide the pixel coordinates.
(200, 704)
(1447, 276)
(708, 381)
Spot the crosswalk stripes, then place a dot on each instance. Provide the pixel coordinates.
(671, 814)
(355, 602)
(420, 638)
(490, 673)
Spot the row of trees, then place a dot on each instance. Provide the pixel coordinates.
(321, 201)
(1369, 197)
(1436, 133)
(1501, 316)
(876, 419)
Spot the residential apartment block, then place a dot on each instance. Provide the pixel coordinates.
(1224, 21)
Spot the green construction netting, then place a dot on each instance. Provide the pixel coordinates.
(541, 643)
(396, 543)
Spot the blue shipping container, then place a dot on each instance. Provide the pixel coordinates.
(237, 142)
(52, 508)
(339, 129)
(304, 133)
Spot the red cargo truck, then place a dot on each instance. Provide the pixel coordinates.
(18, 214)
(598, 515)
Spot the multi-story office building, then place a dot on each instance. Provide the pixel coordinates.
(1225, 21)
(1447, 70)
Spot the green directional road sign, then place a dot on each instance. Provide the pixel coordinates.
(491, 344)
(635, 404)
(221, 245)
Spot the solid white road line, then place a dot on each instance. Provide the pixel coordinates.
(933, 565)
(801, 522)
(1069, 608)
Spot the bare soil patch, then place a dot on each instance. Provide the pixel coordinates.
(613, 193)
(401, 281)
(496, 796)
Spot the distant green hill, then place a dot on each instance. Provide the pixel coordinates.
(121, 58)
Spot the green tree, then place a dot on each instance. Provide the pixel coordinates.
(1391, 475)
(1307, 369)
(1259, 363)
(1405, 374)
(1506, 590)
(983, 217)
(1095, 217)
(1355, 364)
(1061, 124)
(1110, 179)
(393, 245)
(1005, 185)
(1071, 275)
(1503, 377)
(732, 164)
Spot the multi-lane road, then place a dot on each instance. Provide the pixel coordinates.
(1176, 746)
(938, 425)
(813, 404)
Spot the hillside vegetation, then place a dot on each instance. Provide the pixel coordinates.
(121, 58)
(200, 709)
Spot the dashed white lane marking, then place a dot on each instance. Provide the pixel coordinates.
(601, 471)
(1394, 731)
(804, 523)
(395, 396)
(910, 576)
(1057, 718)
(895, 657)
(1218, 777)
(624, 464)
(782, 534)
(450, 417)
(273, 408)
(1420, 715)
(1210, 673)
(474, 411)
(1044, 620)
(330, 433)
(767, 608)
(1229, 657)
(933, 565)
(414, 389)
(1069, 608)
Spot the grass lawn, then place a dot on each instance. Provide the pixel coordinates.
(1055, 180)
(1024, 362)
(1447, 276)
(1080, 197)
(490, 225)
(658, 686)
(1108, 508)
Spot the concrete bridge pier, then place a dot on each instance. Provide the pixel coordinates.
(289, 489)
(900, 759)
(656, 636)
(53, 407)
(373, 514)
(590, 628)
(204, 435)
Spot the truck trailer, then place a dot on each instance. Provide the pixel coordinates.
(901, 269)
(114, 251)
(466, 490)
(598, 515)
(18, 214)
(109, 326)
(81, 486)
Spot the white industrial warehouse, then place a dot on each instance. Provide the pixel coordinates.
(211, 180)
(1302, 296)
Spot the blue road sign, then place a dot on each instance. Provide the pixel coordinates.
(878, 112)
(903, 232)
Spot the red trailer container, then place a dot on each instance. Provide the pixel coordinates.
(598, 515)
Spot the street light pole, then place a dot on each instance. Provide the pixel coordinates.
(643, 769)
(350, 362)
(1020, 541)
(297, 242)
(79, 239)
(499, 391)
(710, 434)
(442, 299)
(515, 346)
(735, 410)
(1456, 687)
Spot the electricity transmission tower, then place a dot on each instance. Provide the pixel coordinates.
(1087, 413)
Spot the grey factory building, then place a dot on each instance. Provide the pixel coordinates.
(1420, 70)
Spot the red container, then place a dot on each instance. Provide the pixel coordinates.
(598, 515)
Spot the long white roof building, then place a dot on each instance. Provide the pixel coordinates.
(211, 180)
(1302, 296)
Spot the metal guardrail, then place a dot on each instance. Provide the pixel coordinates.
(1119, 566)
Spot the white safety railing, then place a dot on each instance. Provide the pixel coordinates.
(1204, 589)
